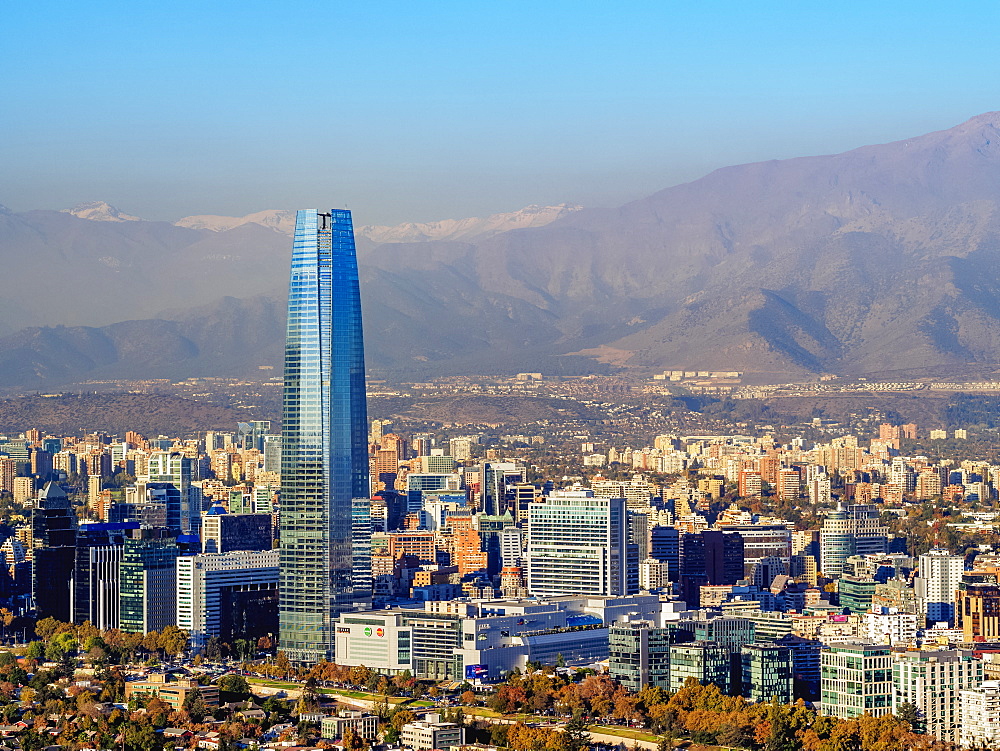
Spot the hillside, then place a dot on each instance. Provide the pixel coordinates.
(884, 258)
(117, 413)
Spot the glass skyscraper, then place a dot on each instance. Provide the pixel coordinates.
(325, 517)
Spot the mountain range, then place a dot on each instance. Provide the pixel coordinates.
(884, 258)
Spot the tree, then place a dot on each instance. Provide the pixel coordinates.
(46, 628)
(214, 648)
(140, 736)
(234, 684)
(173, 641)
(576, 735)
(908, 713)
(194, 704)
(781, 737)
(353, 741)
(402, 717)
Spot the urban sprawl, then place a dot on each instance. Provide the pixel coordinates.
(342, 584)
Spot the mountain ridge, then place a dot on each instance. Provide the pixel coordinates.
(882, 258)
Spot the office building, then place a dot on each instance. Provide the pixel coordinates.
(222, 532)
(855, 594)
(431, 733)
(174, 473)
(767, 672)
(419, 484)
(324, 444)
(494, 477)
(709, 557)
(366, 725)
(53, 533)
(977, 612)
(805, 665)
(485, 640)
(762, 542)
(577, 545)
(228, 595)
(856, 679)
(95, 588)
(854, 530)
(665, 546)
(705, 661)
(639, 653)
(148, 580)
(932, 682)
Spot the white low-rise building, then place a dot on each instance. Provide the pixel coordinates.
(431, 733)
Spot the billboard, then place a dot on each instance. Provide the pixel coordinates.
(473, 672)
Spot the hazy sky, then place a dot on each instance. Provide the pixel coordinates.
(414, 111)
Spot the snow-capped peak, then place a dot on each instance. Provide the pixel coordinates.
(100, 211)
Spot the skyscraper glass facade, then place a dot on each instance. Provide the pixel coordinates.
(325, 568)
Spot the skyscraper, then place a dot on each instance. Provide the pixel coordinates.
(324, 451)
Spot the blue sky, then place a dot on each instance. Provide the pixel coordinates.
(408, 111)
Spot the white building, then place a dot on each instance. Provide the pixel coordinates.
(654, 574)
(577, 545)
(431, 733)
(889, 626)
(932, 682)
(979, 716)
(938, 580)
(204, 580)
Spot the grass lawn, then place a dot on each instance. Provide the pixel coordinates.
(625, 732)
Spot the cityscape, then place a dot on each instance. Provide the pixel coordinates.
(500, 377)
(842, 574)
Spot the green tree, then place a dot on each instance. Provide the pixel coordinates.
(576, 736)
(140, 736)
(781, 737)
(194, 704)
(909, 713)
(234, 684)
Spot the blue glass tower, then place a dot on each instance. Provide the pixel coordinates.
(325, 521)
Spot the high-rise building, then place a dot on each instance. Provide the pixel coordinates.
(856, 679)
(639, 654)
(228, 595)
(855, 530)
(147, 572)
(705, 661)
(324, 442)
(977, 611)
(95, 588)
(931, 682)
(940, 574)
(709, 557)
(53, 537)
(767, 672)
(184, 501)
(577, 544)
(222, 532)
(979, 715)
